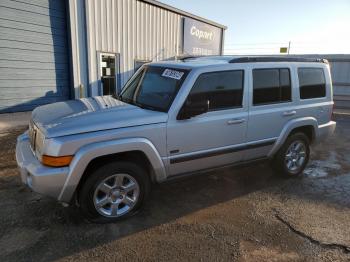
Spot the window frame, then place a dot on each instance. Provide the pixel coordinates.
(325, 83)
(221, 71)
(143, 61)
(278, 102)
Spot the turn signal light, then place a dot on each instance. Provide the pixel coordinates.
(56, 161)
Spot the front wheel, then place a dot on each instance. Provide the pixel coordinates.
(114, 191)
(293, 156)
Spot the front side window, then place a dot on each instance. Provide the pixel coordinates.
(271, 86)
(312, 83)
(223, 89)
(154, 87)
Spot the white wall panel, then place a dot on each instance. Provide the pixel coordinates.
(134, 29)
(131, 28)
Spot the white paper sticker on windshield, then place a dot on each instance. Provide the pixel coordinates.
(173, 74)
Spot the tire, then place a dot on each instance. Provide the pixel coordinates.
(291, 160)
(113, 192)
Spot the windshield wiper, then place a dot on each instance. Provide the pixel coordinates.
(132, 102)
(116, 96)
(143, 106)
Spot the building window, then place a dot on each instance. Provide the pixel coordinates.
(271, 86)
(139, 63)
(312, 83)
(223, 90)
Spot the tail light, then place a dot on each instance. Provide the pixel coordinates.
(332, 113)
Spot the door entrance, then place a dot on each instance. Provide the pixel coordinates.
(108, 73)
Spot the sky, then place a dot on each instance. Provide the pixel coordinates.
(263, 26)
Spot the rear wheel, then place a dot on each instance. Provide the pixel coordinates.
(114, 191)
(293, 156)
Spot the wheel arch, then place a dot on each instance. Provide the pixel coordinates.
(136, 156)
(90, 156)
(306, 125)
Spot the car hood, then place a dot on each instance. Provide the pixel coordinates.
(92, 114)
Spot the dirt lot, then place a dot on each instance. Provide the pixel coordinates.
(245, 214)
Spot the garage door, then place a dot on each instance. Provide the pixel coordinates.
(33, 54)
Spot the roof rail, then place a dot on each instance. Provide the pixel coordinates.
(184, 58)
(181, 58)
(276, 59)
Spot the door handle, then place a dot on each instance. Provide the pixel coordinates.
(235, 121)
(289, 113)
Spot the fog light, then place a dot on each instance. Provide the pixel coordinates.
(56, 161)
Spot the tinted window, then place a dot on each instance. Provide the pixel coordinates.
(271, 86)
(312, 83)
(154, 87)
(222, 89)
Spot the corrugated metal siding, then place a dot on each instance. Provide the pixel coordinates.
(77, 37)
(34, 67)
(131, 28)
(340, 71)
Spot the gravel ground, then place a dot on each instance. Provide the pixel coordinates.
(245, 214)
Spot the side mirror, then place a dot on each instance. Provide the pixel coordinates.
(193, 108)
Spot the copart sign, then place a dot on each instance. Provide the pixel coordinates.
(200, 38)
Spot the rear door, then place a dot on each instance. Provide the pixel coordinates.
(271, 106)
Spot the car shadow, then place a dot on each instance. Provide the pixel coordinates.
(168, 202)
(56, 232)
(173, 200)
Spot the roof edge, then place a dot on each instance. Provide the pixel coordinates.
(184, 13)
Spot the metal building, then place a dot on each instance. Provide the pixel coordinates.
(54, 50)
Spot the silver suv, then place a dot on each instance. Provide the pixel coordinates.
(175, 118)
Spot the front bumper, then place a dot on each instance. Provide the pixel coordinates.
(41, 179)
(325, 130)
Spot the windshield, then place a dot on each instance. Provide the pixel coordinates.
(154, 87)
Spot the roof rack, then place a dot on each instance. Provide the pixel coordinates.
(276, 59)
(184, 58)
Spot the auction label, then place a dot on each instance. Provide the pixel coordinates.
(173, 74)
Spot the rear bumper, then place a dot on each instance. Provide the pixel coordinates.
(41, 179)
(325, 130)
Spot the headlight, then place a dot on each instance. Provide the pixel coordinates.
(39, 142)
(37, 139)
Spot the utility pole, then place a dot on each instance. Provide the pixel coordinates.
(289, 46)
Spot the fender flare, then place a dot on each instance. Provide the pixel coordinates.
(89, 152)
(289, 127)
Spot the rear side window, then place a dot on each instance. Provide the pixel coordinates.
(271, 86)
(222, 89)
(312, 83)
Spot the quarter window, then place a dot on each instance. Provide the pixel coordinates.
(271, 86)
(312, 83)
(222, 89)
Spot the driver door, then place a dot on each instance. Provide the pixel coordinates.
(214, 138)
